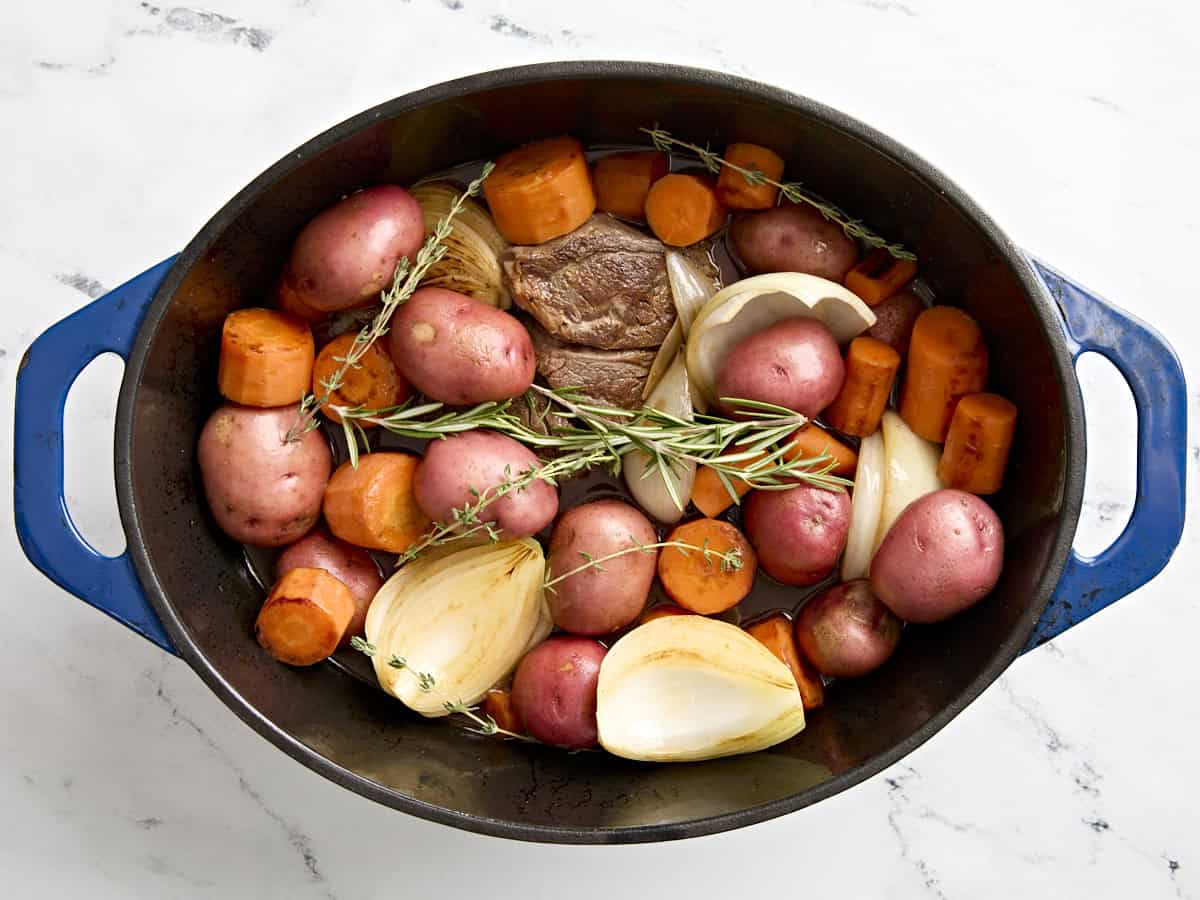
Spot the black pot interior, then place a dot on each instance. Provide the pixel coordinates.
(365, 740)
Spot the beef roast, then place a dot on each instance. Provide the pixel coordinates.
(603, 285)
(606, 377)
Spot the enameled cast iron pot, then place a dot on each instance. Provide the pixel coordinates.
(185, 586)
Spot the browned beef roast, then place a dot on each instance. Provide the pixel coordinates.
(607, 377)
(603, 285)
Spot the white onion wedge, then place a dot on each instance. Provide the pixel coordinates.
(683, 688)
(667, 352)
(866, 504)
(663, 493)
(690, 288)
(909, 472)
(753, 304)
(471, 265)
(464, 617)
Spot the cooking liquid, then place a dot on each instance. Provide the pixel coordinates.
(767, 597)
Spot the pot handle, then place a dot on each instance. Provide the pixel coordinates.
(1155, 377)
(44, 526)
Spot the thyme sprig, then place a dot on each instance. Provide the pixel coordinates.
(730, 560)
(483, 724)
(406, 278)
(792, 190)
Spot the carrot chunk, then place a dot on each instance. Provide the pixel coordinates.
(661, 611)
(374, 383)
(778, 636)
(373, 505)
(977, 445)
(304, 617)
(683, 209)
(623, 180)
(266, 358)
(498, 704)
(699, 581)
(732, 187)
(871, 367)
(879, 275)
(947, 359)
(540, 191)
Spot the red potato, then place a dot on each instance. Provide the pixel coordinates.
(352, 566)
(943, 554)
(798, 533)
(794, 363)
(459, 350)
(262, 489)
(894, 320)
(554, 691)
(605, 598)
(347, 254)
(455, 469)
(846, 632)
(793, 238)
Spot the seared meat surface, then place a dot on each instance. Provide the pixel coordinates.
(607, 377)
(603, 285)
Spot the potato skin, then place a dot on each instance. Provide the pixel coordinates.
(476, 459)
(794, 363)
(894, 320)
(459, 350)
(793, 238)
(348, 253)
(799, 533)
(262, 490)
(846, 632)
(352, 566)
(554, 691)
(943, 554)
(600, 600)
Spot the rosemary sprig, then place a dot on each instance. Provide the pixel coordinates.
(484, 724)
(405, 279)
(730, 560)
(792, 190)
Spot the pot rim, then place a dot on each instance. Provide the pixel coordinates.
(599, 70)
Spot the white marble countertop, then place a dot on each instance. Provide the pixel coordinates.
(127, 124)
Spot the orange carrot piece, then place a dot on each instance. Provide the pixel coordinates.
(498, 704)
(871, 368)
(374, 383)
(709, 494)
(304, 617)
(373, 505)
(977, 444)
(289, 301)
(623, 180)
(266, 358)
(947, 359)
(812, 440)
(879, 275)
(778, 636)
(661, 611)
(732, 187)
(683, 209)
(540, 191)
(703, 585)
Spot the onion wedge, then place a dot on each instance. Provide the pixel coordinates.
(683, 688)
(910, 471)
(865, 506)
(663, 492)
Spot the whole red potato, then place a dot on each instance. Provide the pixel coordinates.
(348, 253)
(352, 566)
(605, 598)
(459, 350)
(554, 691)
(798, 533)
(794, 363)
(793, 238)
(846, 632)
(943, 554)
(456, 470)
